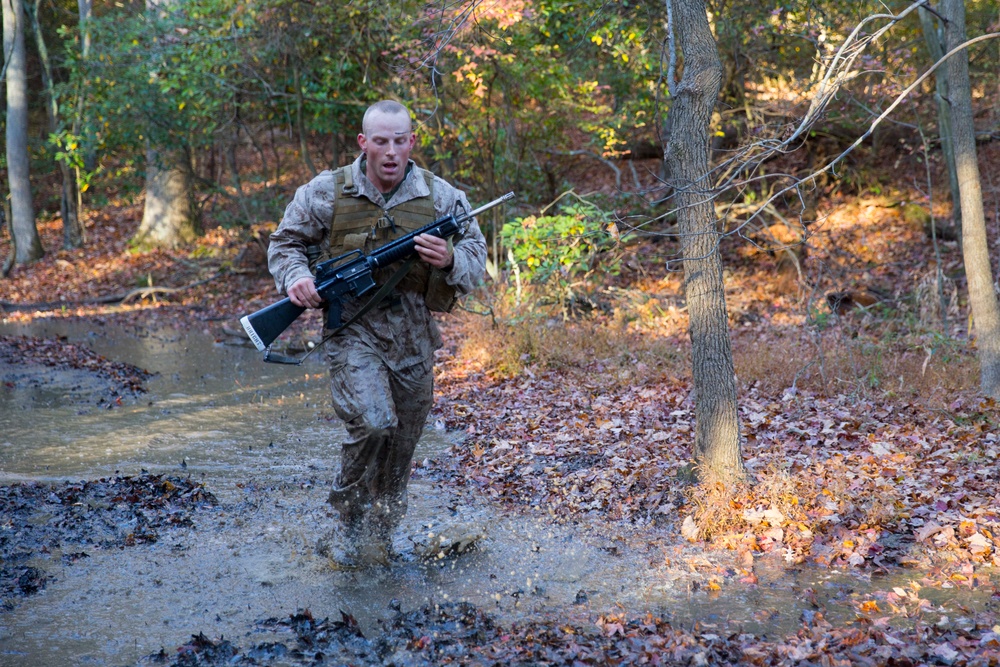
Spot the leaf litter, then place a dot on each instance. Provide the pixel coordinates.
(460, 634)
(42, 520)
(59, 353)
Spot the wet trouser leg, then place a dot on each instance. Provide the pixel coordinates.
(384, 413)
(412, 391)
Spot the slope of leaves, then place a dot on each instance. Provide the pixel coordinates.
(866, 439)
(213, 278)
(835, 477)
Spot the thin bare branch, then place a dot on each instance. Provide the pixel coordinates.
(8, 54)
(829, 167)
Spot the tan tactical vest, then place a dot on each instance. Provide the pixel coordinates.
(360, 224)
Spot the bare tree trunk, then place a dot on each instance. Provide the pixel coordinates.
(231, 144)
(717, 439)
(975, 245)
(935, 48)
(8, 263)
(27, 243)
(334, 149)
(300, 123)
(85, 9)
(73, 233)
(167, 219)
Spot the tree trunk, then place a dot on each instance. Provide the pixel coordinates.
(717, 451)
(975, 246)
(234, 171)
(300, 124)
(8, 263)
(935, 48)
(73, 233)
(85, 9)
(167, 219)
(27, 243)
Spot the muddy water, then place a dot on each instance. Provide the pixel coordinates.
(261, 438)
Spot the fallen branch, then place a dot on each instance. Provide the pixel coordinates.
(139, 292)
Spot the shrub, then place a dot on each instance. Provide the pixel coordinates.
(557, 250)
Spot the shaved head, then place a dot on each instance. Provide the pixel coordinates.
(387, 107)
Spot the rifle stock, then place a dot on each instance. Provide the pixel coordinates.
(335, 280)
(265, 325)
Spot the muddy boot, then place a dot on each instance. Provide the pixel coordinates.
(357, 549)
(386, 518)
(337, 546)
(344, 546)
(382, 541)
(335, 539)
(370, 552)
(326, 544)
(354, 555)
(347, 557)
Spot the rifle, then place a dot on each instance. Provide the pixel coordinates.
(349, 275)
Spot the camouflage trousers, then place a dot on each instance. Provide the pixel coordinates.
(384, 412)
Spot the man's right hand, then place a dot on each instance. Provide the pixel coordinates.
(303, 294)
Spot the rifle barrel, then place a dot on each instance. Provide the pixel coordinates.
(486, 207)
(403, 246)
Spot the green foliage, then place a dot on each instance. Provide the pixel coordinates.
(197, 74)
(332, 58)
(168, 77)
(506, 95)
(559, 248)
(524, 83)
(69, 151)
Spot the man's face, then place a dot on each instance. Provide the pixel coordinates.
(387, 141)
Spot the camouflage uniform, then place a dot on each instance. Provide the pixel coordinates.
(381, 366)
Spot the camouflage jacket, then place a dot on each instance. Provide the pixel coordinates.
(402, 335)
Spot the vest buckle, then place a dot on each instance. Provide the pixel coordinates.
(386, 221)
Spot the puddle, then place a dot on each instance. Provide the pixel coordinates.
(261, 440)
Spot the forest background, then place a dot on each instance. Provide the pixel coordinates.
(163, 140)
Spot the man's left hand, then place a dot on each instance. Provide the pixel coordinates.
(435, 251)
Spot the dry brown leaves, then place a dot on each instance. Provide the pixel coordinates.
(208, 281)
(834, 477)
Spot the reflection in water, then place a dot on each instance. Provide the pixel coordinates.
(208, 405)
(261, 439)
